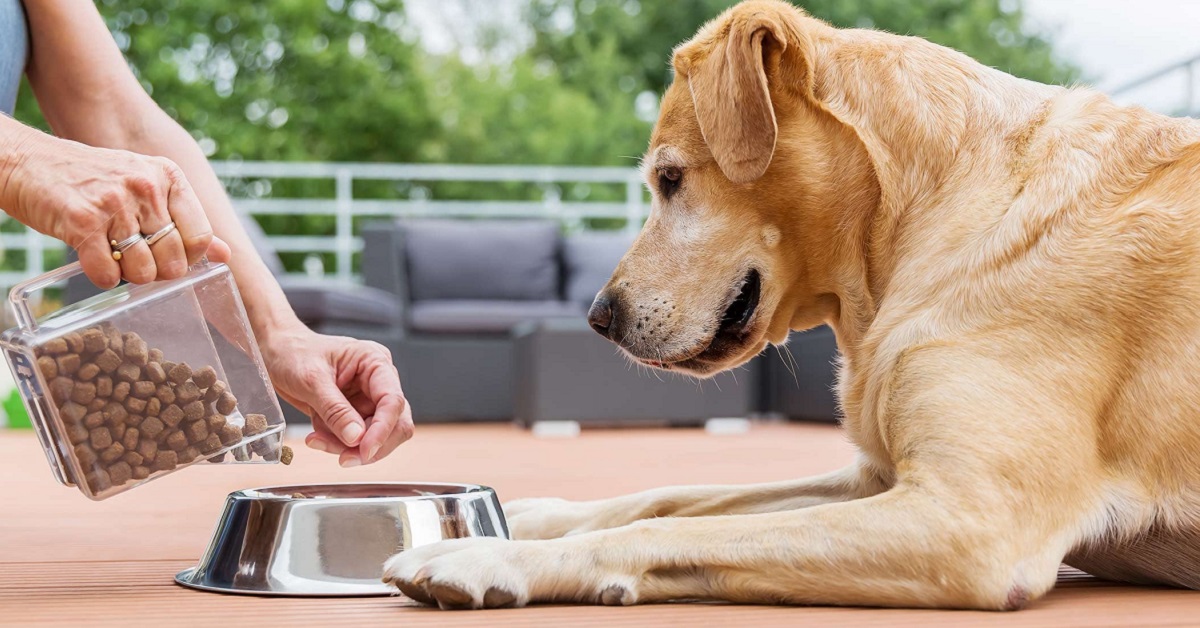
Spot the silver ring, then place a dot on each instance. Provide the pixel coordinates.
(160, 234)
(126, 244)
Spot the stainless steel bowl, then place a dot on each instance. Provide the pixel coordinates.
(332, 539)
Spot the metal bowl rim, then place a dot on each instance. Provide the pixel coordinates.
(187, 578)
(255, 494)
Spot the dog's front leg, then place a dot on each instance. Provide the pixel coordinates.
(996, 481)
(902, 548)
(550, 518)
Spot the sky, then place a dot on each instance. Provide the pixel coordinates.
(1114, 41)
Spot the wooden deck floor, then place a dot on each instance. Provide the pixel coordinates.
(67, 561)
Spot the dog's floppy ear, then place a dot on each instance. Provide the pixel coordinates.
(730, 92)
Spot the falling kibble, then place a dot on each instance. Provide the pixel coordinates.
(285, 455)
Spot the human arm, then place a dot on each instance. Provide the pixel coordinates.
(88, 94)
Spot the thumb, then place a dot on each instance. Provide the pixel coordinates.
(218, 251)
(339, 416)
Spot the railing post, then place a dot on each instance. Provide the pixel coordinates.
(1189, 90)
(633, 204)
(35, 261)
(344, 190)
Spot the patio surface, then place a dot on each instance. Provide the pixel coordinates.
(67, 561)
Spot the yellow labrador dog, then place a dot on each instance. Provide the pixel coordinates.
(1013, 274)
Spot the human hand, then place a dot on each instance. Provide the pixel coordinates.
(88, 196)
(349, 387)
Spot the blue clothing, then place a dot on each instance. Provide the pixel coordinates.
(14, 49)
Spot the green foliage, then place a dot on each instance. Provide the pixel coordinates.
(285, 80)
(579, 39)
(346, 80)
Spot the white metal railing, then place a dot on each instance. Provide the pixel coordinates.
(1181, 75)
(345, 206)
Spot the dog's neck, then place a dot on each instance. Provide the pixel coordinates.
(912, 104)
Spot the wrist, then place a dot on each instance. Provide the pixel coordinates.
(267, 307)
(16, 142)
(273, 320)
(279, 328)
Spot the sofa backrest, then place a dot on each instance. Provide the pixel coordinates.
(590, 259)
(477, 259)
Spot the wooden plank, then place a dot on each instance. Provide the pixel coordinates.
(70, 562)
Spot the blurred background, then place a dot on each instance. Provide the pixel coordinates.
(340, 125)
(533, 81)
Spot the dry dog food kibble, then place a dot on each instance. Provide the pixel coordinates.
(94, 341)
(180, 373)
(186, 393)
(143, 389)
(255, 424)
(155, 372)
(214, 392)
(87, 372)
(230, 434)
(226, 403)
(205, 377)
(193, 411)
(197, 431)
(108, 361)
(68, 363)
(120, 391)
(129, 413)
(60, 389)
(171, 415)
(177, 440)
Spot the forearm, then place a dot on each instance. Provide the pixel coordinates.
(265, 302)
(88, 94)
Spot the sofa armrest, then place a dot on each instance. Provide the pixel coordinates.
(384, 264)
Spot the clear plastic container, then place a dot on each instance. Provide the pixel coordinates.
(141, 381)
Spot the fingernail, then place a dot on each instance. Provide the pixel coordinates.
(374, 449)
(351, 462)
(318, 445)
(351, 433)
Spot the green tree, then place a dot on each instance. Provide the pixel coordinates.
(320, 80)
(616, 52)
(292, 79)
(995, 32)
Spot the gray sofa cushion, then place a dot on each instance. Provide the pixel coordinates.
(590, 259)
(513, 261)
(327, 302)
(484, 317)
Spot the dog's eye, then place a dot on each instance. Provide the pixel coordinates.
(669, 179)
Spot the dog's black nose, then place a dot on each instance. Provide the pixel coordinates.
(600, 316)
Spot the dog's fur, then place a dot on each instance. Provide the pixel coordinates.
(1013, 274)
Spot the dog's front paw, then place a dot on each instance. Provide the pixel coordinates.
(495, 573)
(460, 574)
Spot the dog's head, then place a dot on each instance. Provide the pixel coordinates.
(743, 167)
